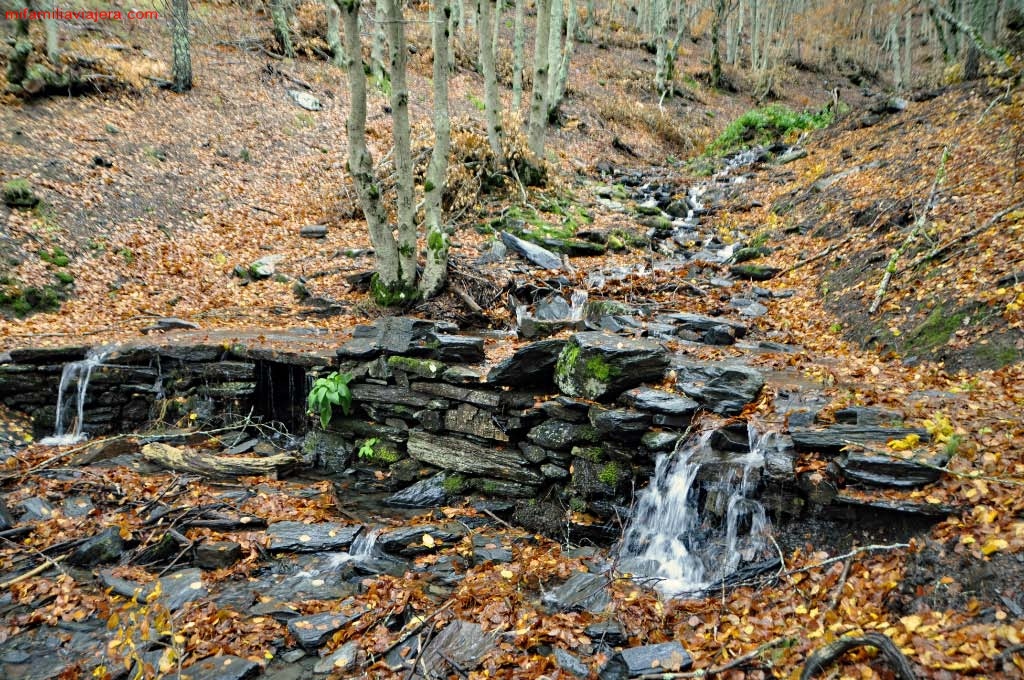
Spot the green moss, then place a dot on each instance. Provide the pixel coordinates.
(650, 210)
(577, 504)
(65, 278)
(610, 474)
(435, 240)
(57, 257)
(567, 360)
(23, 301)
(454, 485)
(615, 243)
(427, 368)
(18, 193)
(592, 453)
(394, 295)
(598, 369)
(934, 332)
(489, 487)
(998, 355)
(379, 453)
(764, 125)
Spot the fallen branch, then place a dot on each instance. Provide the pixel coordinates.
(829, 653)
(852, 553)
(949, 245)
(211, 465)
(33, 572)
(735, 663)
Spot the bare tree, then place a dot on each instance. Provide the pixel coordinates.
(181, 69)
(538, 97)
(492, 104)
(282, 31)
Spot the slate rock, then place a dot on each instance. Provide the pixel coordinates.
(305, 100)
(659, 401)
(566, 408)
(552, 471)
(182, 587)
(313, 231)
(561, 435)
(6, 520)
(609, 632)
(870, 469)
(650, 659)
(701, 324)
(719, 335)
(582, 591)
(312, 631)
(217, 554)
(300, 537)
(599, 366)
(461, 645)
(754, 272)
(106, 546)
(35, 509)
(265, 267)
(454, 453)
(836, 437)
(426, 493)
(724, 388)
(570, 664)
(542, 257)
(533, 364)
(410, 541)
(460, 349)
(660, 440)
(620, 423)
(341, 660)
(222, 667)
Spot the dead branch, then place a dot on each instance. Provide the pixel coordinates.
(826, 655)
(852, 553)
(944, 249)
(33, 572)
(211, 465)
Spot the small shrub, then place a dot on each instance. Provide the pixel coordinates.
(764, 125)
(18, 193)
(57, 257)
(330, 392)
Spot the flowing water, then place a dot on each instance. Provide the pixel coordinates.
(698, 521)
(71, 395)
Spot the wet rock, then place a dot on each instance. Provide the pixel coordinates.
(447, 571)
(461, 375)
(570, 664)
(490, 549)
(554, 471)
(583, 591)
(458, 648)
(313, 231)
(608, 632)
(561, 435)
(461, 349)
(733, 437)
(170, 323)
(867, 415)
(35, 509)
(533, 453)
(620, 423)
(391, 395)
(591, 480)
(542, 257)
(453, 453)
(305, 100)
(390, 335)
(300, 537)
(833, 439)
(597, 365)
(719, 335)
(657, 440)
(6, 520)
(487, 398)
(722, 387)
(419, 540)
(217, 554)
(76, 506)
(530, 365)
(224, 667)
(659, 401)
(472, 420)
(542, 517)
(779, 457)
(312, 631)
(567, 409)
(871, 469)
(702, 324)
(327, 450)
(426, 493)
(341, 660)
(182, 587)
(754, 272)
(666, 657)
(423, 368)
(503, 488)
(106, 546)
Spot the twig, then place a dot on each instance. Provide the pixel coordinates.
(839, 587)
(852, 553)
(418, 628)
(33, 572)
(497, 519)
(708, 672)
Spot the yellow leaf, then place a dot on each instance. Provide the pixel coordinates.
(994, 545)
(911, 623)
(505, 573)
(905, 444)
(428, 540)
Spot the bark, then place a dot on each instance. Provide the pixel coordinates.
(561, 76)
(282, 32)
(716, 53)
(360, 162)
(961, 27)
(492, 105)
(182, 63)
(538, 96)
(334, 33)
(210, 465)
(518, 60)
(17, 58)
(52, 37)
(556, 28)
(435, 271)
(662, 58)
(379, 46)
(406, 208)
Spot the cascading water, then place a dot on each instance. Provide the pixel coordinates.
(697, 521)
(74, 383)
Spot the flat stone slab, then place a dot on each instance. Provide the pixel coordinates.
(722, 387)
(599, 366)
(834, 438)
(533, 253)
(302, 537)
(872, 469)
(224, 667)
(461, 455)
(459, 647)
(312, 631)
(666, 657)
(700, 323)
(342, 659)
(530, 365)
(182, 587)
(658, 401)
(583, 591)
(419, 540)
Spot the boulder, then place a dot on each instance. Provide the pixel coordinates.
(599, 366)
(561, 435)
(530, 365)
(426, 493)
(620, 423)
(542, 257)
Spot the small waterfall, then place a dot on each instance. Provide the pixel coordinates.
(697, 521)
(74, 383)
(364, 545)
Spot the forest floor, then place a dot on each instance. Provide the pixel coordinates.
(156, 198)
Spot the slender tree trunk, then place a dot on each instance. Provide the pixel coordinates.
(662, 58)
(518, 60)
(379, 46)
(907, 46)
(334, 33)
(561, 75)
(360, 162)
(182, 63)
(555, 28)
(492, 105)
(406, 208)
(17, 58)
(282, 31)
(538, 96)
(435, 270)
(52, 37)
(716, 53)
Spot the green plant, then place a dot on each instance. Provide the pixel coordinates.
(127, 254)
(477, 102)
(17, 193)
(761, 126)
(454, 484)
(610, 474)
(329, 392)
(65, 278)
(57, 257)
(366, 448)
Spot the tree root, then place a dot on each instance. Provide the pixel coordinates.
(826, 655)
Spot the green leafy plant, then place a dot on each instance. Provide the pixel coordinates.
(761, 126)
(330, 392)
(366, 449)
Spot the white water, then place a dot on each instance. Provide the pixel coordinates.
(74, 384)
(692, 530)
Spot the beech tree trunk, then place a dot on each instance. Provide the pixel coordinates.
(334, 33)
(182, 63)
(379, 47)
(559, 77)
(492, 105)
(518, 60)
(435, 271)
(538, 96)
(282, 32)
